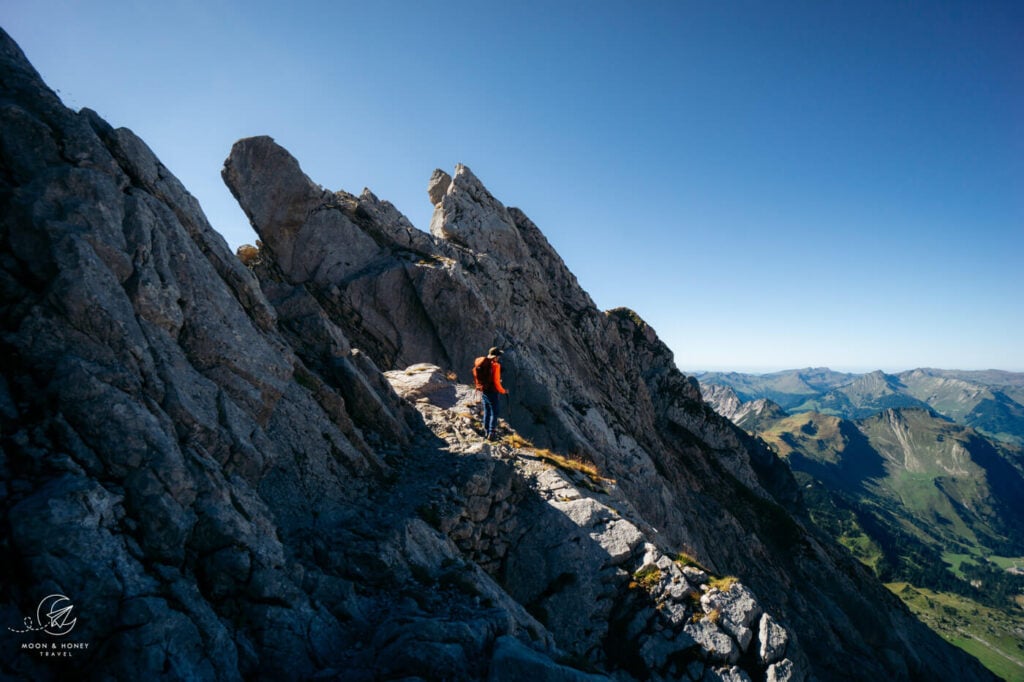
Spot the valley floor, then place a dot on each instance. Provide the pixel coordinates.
(995, 637)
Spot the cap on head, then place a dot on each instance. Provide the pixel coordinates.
(494, 352)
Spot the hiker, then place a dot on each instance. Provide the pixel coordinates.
(487, 377)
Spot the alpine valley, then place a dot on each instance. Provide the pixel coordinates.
(919, 474)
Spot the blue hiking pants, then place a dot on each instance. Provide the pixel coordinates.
(490, 412)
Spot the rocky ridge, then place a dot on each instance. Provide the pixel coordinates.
(206, 458)
(535, 520)
(750, 416)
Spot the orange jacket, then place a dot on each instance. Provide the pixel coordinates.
(495, 376)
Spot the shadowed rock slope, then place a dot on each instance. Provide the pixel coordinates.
(208, 462)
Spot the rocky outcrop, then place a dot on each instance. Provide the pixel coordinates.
(208, 462)
(752, 416)
(220, 485)
(569, 545)
(723, 398)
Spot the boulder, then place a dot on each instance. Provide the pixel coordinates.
(736, 609)
(772, 638)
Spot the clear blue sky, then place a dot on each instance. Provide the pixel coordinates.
(769, 184)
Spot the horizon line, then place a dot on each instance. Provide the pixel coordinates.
(846, 369)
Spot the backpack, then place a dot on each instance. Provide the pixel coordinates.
(483, 373)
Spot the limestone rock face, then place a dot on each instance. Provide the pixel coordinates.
(275, 471)
(438, 186)
(753, 415)
(723, 399)
(197, 462)
(568, 544)
(468, 215)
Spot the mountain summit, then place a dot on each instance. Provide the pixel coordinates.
(271, 470)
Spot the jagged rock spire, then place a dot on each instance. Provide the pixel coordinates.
(468, 215)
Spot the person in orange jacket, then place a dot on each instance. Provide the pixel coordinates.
(487, 377)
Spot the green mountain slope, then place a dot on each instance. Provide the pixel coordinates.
(927, 502)
(922, 500)
(998, 417)
(919, 488)
(957, 484)
(950, 395)
(829, 448)
(993, 636)
(993, 408)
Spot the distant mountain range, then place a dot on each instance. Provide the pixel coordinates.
(919, 474)
(989, 401)
(933, 452)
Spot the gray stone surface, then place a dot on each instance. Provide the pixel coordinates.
(513, 661)
(720, 647)
(782, 671)
(736, 609)
(772, 639)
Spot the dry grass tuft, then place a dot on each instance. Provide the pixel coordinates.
(249, 255)
(724, 584)
(570, 463)
(516, 441)
(685, 559)
(646, 578)
(565, 462)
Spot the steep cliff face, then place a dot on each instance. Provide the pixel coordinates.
(207, 461)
